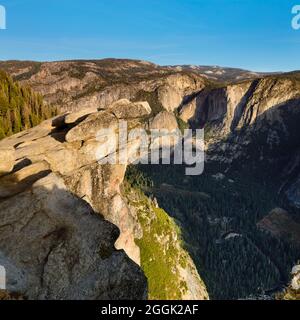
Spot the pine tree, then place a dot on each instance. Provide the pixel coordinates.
(20, 107)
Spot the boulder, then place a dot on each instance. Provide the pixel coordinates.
(92, 126)
(81, 114)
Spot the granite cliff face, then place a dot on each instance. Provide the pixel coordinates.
(236, 117)
(238, 106)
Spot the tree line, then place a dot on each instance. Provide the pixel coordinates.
(20, 107)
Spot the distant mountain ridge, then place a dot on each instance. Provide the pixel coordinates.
(23, 69)
(223, 74)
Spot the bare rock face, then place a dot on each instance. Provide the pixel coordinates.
(7, 160)
(295, 284)
(164, 120)
(264, 111)
(238, 105)
(177, 87)
(89, 128)
(124, 109)
(77, 116)
(54, 241)
(292, 292)
(60, 249)
(168, 135)
(100, 187)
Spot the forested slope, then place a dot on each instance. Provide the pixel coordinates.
(20, 107)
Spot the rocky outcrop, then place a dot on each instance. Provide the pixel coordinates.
(54, 241)
(292, 292)
(295, 284)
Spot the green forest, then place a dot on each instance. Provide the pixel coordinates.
(20, 107)
(208, 210)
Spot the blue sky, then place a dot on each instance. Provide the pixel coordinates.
(251, 34)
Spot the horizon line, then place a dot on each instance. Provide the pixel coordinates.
(151, 62)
